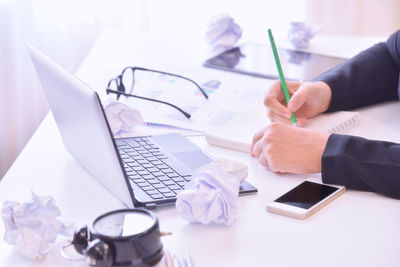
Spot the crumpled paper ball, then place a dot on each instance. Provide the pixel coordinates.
(222, 33)
(211, 196)
(32, 226)
(300, 34)
(121, 117)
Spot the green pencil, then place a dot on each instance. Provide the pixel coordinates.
(281, 77)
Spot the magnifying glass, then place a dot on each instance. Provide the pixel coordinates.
(127, 237)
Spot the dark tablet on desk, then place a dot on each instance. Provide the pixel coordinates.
(258, 60)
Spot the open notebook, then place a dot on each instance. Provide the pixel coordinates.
(238, 133)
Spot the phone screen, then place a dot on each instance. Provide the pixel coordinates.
(258, 60)
(306, 194)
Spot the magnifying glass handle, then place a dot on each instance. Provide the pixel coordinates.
(165, 233)
(81, 239)
(99, 254)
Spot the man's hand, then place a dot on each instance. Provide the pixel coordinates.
(284, 148)
(307, 100)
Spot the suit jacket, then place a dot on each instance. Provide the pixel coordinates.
(370, 77)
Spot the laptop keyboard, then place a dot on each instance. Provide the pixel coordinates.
(150, 169)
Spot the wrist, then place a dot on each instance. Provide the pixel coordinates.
(326, 93)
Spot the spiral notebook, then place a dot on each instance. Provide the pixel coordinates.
(237, 134)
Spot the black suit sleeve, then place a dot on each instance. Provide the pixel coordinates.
(362, 164)
(358, 163)
(370, 77)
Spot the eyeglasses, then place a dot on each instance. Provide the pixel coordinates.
(127, 77)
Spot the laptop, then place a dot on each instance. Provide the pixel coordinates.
(145, 171)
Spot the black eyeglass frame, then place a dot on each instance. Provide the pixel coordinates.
(122, 91)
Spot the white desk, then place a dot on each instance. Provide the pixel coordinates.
(357, 229)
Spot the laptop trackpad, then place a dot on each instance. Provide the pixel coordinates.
(174, 143)
(183, 150)
(193, 159)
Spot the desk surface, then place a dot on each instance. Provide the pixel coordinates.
(357, 229)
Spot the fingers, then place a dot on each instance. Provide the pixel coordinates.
(277, 107)
(301, 121)
(256, 145)
(299, 98)
(275, 101)
(273, 117)
(262, 159)
(293, 87)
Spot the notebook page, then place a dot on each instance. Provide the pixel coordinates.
(338, 122)
(238, 133)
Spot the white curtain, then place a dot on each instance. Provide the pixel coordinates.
(22, 104)
(65, 30)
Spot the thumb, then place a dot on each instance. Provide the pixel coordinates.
(297, 100)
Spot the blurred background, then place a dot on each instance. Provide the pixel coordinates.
(66, 31)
